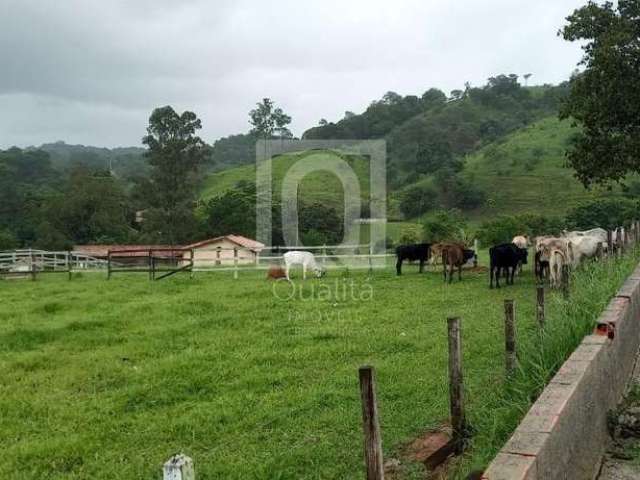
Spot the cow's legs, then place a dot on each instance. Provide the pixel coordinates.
(491, 276)
(513, 272)
(450, 273)
(304, 271)
(287, 272)
(498, 277)
(399, 267)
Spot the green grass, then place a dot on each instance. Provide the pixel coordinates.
(102, 379)
(526, 172)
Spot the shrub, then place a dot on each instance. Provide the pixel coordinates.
(8, 240)
(444, 225)
(608, 213)
(418, 200)
(500, 230)
(505, 227)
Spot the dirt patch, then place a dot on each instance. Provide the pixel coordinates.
(431, 448)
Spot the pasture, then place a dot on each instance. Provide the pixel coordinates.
(106, 379)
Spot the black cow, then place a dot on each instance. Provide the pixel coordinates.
(505, 256)
(541, 267)
(418, 251)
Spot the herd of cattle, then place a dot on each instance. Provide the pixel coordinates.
(551, 254)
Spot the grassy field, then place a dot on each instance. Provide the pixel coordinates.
(107, 379)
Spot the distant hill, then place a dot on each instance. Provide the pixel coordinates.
(125, 162)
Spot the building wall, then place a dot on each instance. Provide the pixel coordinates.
(208, 256)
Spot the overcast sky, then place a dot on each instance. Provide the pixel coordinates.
(90, 72)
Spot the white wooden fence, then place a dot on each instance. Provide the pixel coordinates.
(32, 261)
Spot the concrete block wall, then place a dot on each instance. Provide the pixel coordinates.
(564, 434)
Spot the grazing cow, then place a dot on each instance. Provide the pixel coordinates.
(276, 273)
(436, 253)
(504, 257)
(418, 251)
(454, 255)
(557, 258)
(306, 259)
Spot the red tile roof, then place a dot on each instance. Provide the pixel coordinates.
(128, 250)
(163, 250)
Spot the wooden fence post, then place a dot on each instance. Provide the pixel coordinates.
(179, 467)
(475, 251)
(456, 384)
(324, 255)
(218, 249)
(372, 439)
(540, 305)
(510, 336)
(370, 259)
(108, 264)
(33, 266)
(610, 247)
(565, 281)
(192, 261)
(69, 269)
(235, 263)
(599, 251)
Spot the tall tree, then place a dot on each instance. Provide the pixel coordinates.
(605, 98)
(175, 155)
(269, 121)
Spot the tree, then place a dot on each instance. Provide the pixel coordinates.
(605, 98)
(444, 225)
(607, 213)
(418, 200)
(267, 120)
(175, 155)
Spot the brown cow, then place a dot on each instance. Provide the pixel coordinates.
(276, 273)
(454, 255)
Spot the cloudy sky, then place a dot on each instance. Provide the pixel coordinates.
(90, 72)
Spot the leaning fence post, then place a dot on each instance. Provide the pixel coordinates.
(235, 263)
(610, 247)
(540, 305)
(565, 281)
(510, 336)
(179, 467)
(599, 251)
(372, 438)
(218, 255)
(456, 400)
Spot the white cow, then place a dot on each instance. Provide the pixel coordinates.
(306, 259)
(557, 259)
(600, 234)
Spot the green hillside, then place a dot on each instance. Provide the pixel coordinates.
(320, 186)
(526, 172)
